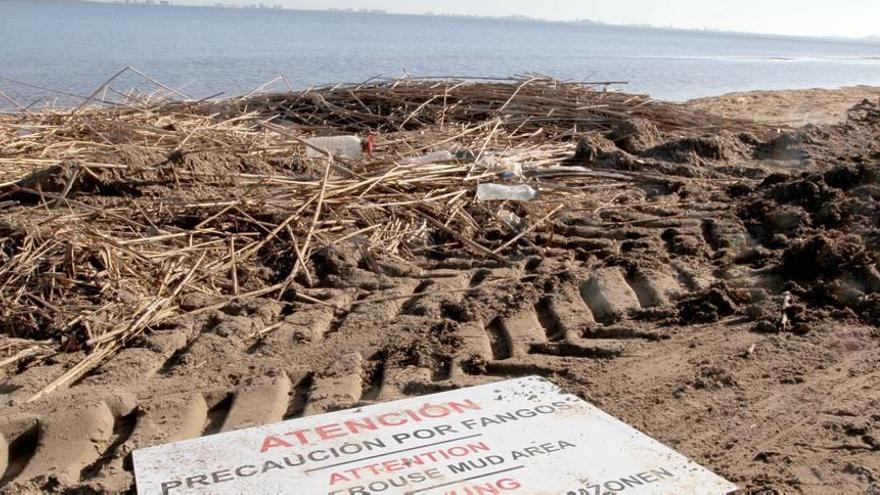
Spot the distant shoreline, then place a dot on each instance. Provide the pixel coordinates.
(270, 7)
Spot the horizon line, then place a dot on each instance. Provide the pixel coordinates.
(270, 6)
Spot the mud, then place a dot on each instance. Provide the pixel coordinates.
(819, 232)
(725, 300)
(635, 135)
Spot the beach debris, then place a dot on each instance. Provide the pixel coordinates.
(338, 146)
(507, 165)
(509, 217)
(531, 106)
(368, 145)
(504, 192)
(433, 157)
(113, 213)
(785, 321)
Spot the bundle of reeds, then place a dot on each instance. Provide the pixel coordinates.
(528, 104)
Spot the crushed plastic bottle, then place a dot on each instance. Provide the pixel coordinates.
(502, 192)
(339, 146)
(433, 157)
(503, 163)
(509, 217)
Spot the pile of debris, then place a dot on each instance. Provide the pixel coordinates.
(110, 216)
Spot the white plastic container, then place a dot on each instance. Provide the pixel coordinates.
(502, 192)
(433, 157)
(339, 146)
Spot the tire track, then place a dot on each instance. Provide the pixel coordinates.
(310, 360)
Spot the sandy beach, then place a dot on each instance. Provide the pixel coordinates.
(788, 107)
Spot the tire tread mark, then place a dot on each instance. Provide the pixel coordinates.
(137, 364)
(58, 453)
(21, 449)
(123, 428)
(337, 388)
(523, 330)
(217, 414)
(259, 403)
(501, 347)
(608, 295)
(549, 319)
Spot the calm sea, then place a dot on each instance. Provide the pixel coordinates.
(74, 47)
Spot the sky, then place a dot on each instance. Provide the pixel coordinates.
(850, 18)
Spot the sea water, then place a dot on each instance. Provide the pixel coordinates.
(72, 47)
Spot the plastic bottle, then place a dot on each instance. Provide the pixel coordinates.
(433, 157)
(339, 146)
(502, 192)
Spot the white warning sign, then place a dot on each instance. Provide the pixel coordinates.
(520, 436)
